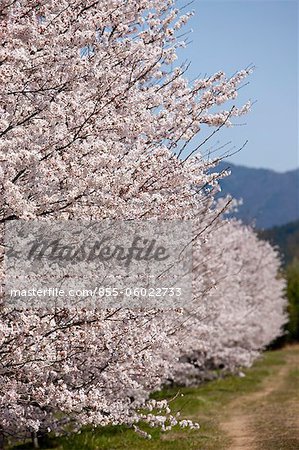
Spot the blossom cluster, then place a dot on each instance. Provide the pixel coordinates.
(94, 123)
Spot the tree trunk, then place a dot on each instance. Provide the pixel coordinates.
(2, 440)
(34, 439)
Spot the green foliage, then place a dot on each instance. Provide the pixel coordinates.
(292, 275)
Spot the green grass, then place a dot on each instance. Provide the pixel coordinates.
(206, 404)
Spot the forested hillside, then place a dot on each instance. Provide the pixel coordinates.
(269, 198)
(286, 238)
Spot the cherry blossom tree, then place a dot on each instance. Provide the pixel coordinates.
(95, 121)
(244, 310)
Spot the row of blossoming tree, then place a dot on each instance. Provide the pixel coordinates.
(97, 122)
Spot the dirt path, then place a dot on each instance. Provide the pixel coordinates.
(268, 419)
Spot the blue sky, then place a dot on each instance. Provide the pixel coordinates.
(230, 35)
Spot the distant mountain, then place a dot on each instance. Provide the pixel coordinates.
(286, 238)
(269, 198)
